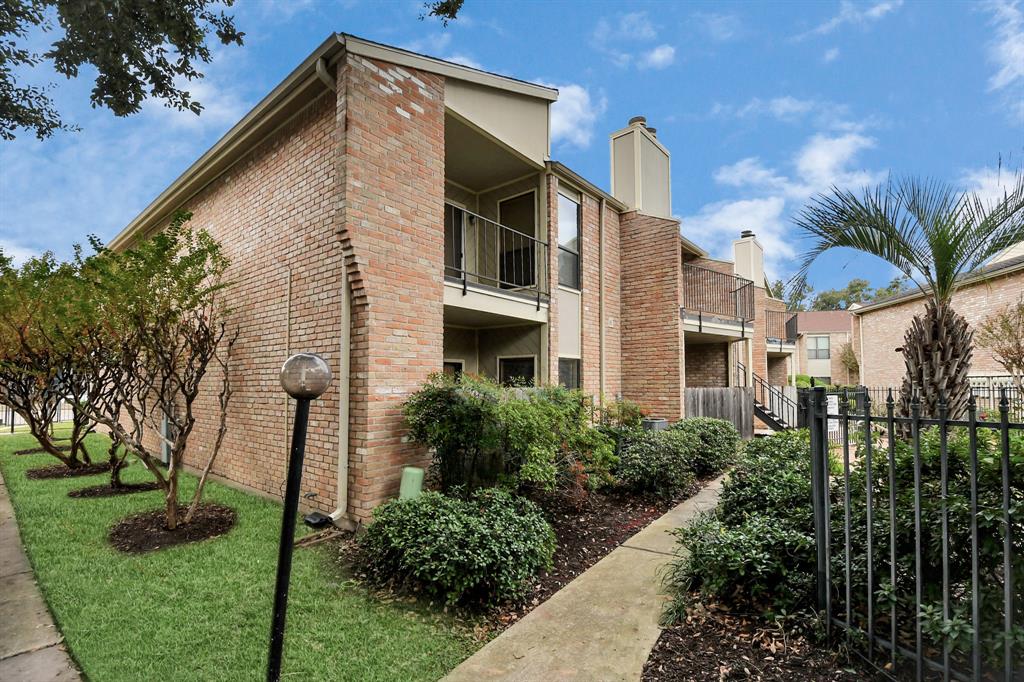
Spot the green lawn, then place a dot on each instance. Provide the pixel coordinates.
(202, 611)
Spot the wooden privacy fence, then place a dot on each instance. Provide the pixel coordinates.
(735, 404)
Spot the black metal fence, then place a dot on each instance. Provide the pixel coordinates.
(717, 293)
(919, 527)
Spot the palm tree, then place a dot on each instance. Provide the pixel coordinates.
(933, 234)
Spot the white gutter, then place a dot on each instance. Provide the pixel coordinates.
(340, 514)
(600, 289)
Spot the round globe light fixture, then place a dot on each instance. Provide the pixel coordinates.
(305, 376)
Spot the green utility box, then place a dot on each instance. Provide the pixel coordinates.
(412, 483)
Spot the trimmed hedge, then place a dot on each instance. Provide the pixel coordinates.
(718, 442)
(657, 462)
(484, 549)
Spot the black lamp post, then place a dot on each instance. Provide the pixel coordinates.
(305, 376)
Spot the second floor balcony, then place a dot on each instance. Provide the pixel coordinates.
(482, 253)
(716, 303)
(780, 328)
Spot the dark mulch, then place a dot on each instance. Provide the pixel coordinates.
(717, 646)
(147, 531)
(39, 451)
(61, 471)
(586, 535)
(107, 490)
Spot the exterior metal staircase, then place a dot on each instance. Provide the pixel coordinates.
(771, 405)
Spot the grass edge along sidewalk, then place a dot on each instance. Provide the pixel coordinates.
(205, 607)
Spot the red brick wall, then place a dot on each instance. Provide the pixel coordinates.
(393, 175)
(883, 329)
(274, 214)
(707, 365)
(652, 361)
(778, 374)
(591, 299)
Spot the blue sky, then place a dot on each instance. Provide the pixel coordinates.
(761, 105)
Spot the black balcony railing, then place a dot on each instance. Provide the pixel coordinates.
(480, 251)
(716, 293)
(780, 326)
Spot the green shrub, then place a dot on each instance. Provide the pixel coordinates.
(756, 550)
(717, 443)
(657, 462)
(757, 563)
(484, 549)
(483, 434)
(773, 478)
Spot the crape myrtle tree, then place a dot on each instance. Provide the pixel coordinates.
(1002, 333)
(932, 233)
(159, 323)
(39, 305)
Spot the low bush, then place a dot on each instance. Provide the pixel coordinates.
(657, 462)
(718, 441)
(481, 550)
(757, 548)
(483, 434)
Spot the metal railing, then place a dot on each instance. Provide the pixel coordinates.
(480, 251)
(917, 529)
(780, 326)
(10, 420)
(717, 293)
(771, 398)
(986, 395)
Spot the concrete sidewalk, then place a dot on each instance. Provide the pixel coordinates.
(30, 644)
(601, 626)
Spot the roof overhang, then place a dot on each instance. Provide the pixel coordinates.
(312, 78)
(969, 280)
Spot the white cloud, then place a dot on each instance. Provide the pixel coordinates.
(19, 254)
(658, 58)
(574, 114)
(465, 61)
(634, 27)
(830, 55)
(719, 27)
(1006, 53)
(771, 196)
(989, 184)
(438, 45)
(853, 13)
(791, 109)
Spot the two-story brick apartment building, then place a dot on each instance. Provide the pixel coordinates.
(401, 215)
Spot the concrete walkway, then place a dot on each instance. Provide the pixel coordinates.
(602, 625)
(30, 644)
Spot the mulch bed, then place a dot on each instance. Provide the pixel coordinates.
(61, 471)
(586, 535)
(147, 531)
(39, 451)
(107, 490)
(717, 646)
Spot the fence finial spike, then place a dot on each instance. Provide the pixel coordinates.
(889, 399)
(972, 404)
(1004, 403)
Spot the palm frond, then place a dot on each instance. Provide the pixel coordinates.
(928, 230)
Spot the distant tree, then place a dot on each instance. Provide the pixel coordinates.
(796, 300)
(1002, 333)
(931, 233)
(897, 286)
(848, 358)
(857, 291)
(139, 49)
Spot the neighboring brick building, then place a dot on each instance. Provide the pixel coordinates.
(822, 335)
(878, 329)
(401, 215)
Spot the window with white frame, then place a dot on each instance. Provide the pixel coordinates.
(818, 348)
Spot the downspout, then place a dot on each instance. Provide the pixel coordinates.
(600, 303)
(863, 367)
(344, 360)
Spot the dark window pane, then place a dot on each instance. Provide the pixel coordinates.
(569, 372)
(453, 369)
(568, 269)
(516, 371)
